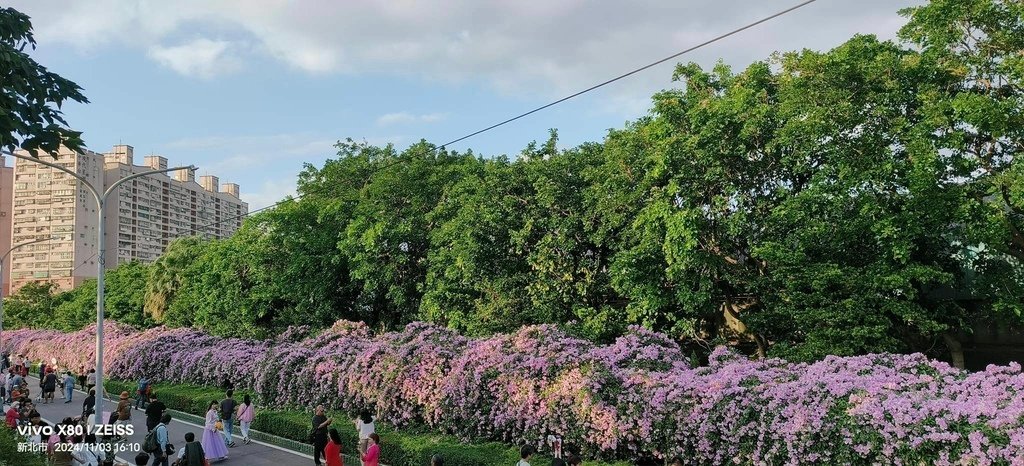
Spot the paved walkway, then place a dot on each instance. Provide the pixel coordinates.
(254, 454)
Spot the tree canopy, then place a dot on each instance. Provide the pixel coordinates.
(866, 198)
(31, 96)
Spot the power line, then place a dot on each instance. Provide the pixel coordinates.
(642, 68)
(563, 99)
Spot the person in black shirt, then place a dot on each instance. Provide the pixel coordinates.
(89, 405)
(154, 411)
(320, 424)
(227, 415)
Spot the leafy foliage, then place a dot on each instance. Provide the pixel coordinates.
(862, 199)
(30, 95)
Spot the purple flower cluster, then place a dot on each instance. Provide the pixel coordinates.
(635, 398)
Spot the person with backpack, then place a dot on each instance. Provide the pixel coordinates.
(141, 392)
(192, 453)
(156, 442)
(154, 412)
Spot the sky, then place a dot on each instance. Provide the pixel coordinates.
(252, 90)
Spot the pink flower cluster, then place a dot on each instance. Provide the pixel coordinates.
(635, 398)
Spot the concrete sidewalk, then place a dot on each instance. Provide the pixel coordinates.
(256, 453)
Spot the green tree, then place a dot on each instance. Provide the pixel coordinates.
(801, 207)
(165, 278)
(511, 246)
(33, 306)
(977, 122)
(32, 96)
(386, 241)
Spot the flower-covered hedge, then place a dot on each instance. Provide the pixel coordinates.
(636, 398)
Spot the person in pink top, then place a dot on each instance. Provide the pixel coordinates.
(372, 455)
(246, 413)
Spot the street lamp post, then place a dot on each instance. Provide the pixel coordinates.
(101, 198)
(2, 260)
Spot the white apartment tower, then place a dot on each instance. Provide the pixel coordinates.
(143, 216)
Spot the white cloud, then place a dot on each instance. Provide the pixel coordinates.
(529, 49)
(270, 192)
(406, 117)
(199, 58)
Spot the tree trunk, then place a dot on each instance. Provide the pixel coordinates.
(956, 350)
(731, 313)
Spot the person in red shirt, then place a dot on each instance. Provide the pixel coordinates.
(372, 456)
(332, 452)
(12, 416)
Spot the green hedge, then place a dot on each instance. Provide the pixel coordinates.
(9, 454)
(399, 448)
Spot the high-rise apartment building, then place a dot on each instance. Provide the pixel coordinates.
(6, 191)
(142, 217)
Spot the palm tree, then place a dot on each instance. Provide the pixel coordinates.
(166, 273)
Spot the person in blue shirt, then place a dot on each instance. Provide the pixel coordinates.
(160, 456)
(69, 386)
(140, 393)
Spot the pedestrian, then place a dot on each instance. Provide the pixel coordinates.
(365, 427)
(69, 386)
(227, 415)
(124, 412)
(60, 455)
(80, 455)
(13, 415)
(142, 459)
(81, 378)
(95, 455)
(154, 412)
(372, 456)
(140, 392)
(332, 452)
(3, 386)
(246, 414)
(213, 438)
(160, 456)
(192, 453)
(90, 379)
(49, 385)
(525, 453)
(89, 404)
(319, 434)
